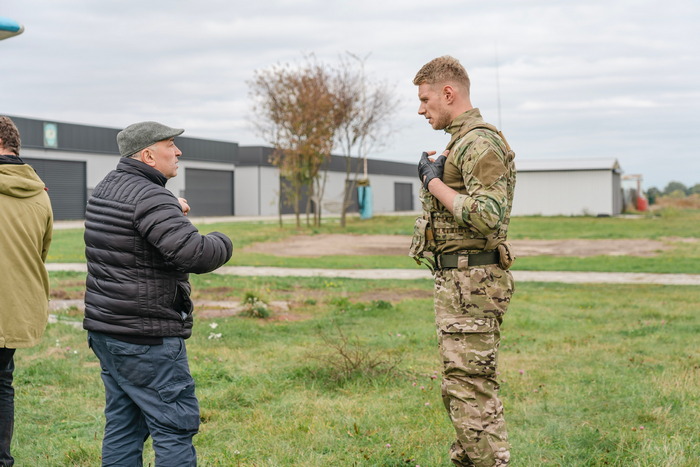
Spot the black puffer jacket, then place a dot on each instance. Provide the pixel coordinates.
(140, 248)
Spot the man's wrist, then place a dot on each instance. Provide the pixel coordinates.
(431, 183)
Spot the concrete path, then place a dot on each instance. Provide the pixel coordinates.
(409, 274)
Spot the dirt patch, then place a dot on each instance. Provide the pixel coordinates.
(334, 244)
(222, 309)
(205, 309)
(397, 245)
(392, 296)
(589, 247)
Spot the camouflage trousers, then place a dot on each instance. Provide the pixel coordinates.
(469, 308)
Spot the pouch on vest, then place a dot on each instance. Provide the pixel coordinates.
(506, 256)
(421, 242)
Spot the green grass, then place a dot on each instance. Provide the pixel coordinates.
(682, 257)
(665, 223)
(583, 369)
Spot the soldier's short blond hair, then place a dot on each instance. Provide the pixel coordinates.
(445, 69)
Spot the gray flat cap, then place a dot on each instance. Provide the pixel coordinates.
(140, 135)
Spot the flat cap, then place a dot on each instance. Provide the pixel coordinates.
(140, 135)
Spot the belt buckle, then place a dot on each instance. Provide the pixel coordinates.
(463, 262)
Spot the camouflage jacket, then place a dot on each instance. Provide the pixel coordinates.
(480, 169)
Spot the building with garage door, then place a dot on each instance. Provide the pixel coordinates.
(395, 185)
(221, 178)
(218, 178)
(72, 159)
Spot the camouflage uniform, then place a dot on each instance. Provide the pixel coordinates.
(470, 301)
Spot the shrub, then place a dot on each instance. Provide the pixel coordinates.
(254, 306)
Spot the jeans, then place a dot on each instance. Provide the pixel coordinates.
(149, 391)
(7, 405)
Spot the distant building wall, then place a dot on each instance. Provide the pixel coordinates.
(258, 183)
(256, 191)
(567, 193)
(383, 192)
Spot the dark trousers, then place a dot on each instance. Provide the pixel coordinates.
(149, 391)
(7, 405)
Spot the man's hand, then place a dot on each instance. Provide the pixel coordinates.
(183, 204)
(428, 169)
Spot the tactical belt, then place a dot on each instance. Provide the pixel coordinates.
(476, 259)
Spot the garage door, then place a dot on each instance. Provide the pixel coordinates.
(209, 192)
(67, 184)
(403, 197)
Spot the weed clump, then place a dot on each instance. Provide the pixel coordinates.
(255, 307)
(345, 358)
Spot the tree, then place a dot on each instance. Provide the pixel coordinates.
(675, 188)
(296, 111)
(653, 194)
(365, 108)
(695, 189)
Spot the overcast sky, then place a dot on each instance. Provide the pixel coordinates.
(613, 79)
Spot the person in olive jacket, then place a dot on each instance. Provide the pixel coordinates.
(26, 225)
(140, 248)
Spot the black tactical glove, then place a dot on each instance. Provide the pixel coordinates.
(429, 170)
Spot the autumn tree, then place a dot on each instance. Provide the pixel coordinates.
(305, 111)
(365, 108)
(296, 113)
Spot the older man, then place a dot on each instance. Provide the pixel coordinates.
(140, 248)
(26, 222)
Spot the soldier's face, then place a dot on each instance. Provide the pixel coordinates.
(433, 106)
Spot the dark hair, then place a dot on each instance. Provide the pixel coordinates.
(9, 135)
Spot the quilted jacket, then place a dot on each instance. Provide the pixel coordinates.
(140, 249)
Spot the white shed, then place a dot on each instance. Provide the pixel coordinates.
(568, 187)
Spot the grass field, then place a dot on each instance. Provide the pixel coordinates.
(591, 375)
(669, 224)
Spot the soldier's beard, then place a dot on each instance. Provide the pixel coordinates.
(441, 121)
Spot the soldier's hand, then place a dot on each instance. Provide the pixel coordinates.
(428, 170)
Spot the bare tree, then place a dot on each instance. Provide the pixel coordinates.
(365, 108)
(297, 114)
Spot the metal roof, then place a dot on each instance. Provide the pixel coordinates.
(260, 156)
(566, 165)
(101, 140)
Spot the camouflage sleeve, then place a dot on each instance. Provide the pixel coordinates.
(483, 169)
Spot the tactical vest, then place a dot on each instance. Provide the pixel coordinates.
(437, 230)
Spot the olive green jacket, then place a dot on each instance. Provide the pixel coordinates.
(26, 223)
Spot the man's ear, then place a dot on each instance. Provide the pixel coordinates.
(448, 93)
(147, 157)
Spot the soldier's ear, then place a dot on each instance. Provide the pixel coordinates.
(448, 93)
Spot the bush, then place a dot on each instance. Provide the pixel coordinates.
(254, 306)
(347, 358)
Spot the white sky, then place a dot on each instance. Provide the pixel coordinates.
(576, 79)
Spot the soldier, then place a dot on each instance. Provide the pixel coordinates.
(466, 197)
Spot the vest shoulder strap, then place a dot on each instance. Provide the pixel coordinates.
(459, 134)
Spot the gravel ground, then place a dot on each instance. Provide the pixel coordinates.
(408, 274)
